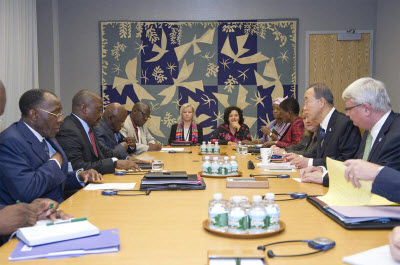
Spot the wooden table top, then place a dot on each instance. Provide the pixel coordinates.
(166, 226)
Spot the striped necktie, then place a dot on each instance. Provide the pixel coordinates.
(368, 145)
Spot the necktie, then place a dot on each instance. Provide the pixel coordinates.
(367, 148)
(91, 136)
(46, 148)
(322, 135)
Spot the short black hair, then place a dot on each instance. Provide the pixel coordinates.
(290, 105)
(228, 111)
(31, 99)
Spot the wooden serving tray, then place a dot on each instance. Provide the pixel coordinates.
(220, 176)
(206, 226)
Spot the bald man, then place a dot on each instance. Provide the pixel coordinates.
(79, 141)
(107, 131)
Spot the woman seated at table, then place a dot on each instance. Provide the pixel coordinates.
(276, 128)
(289, 111)
(186, 129)
(307, 143)
(233, 130)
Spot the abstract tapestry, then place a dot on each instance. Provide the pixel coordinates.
(210, 64)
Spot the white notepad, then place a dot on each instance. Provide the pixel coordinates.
(379, 255)
(40, 233)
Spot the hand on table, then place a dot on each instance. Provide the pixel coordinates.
(127, 165)
(289, 157)
(41, 207)
(90, 175)
(154, 147)
(15, 216)
(311, 174)
(300, 162)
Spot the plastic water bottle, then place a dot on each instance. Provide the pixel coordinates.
(237, 218)
(258, 220)
(239, 148)
(207, 166)
(221, 168)
(273, 212)
(217, 148)
(210, 148)
(227, 166)
(214, 166)
(234, 165)
(218, 213)
(203, 148)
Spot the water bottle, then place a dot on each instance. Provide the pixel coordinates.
(234, 165)
(203, 148)
(237, 218)
(239, 148)
(214, 166)
(227, 166)
(217, 148)
(218, 213)
(221, 169)
(272, 212)
(258, 219)
(210, 148)
(207, 166)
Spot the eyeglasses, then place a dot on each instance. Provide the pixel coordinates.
(54, 114)
(352, 107)
(144, 115)
(311, 100)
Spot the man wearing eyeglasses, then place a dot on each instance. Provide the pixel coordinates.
(368, 106)
(134, 126)
(337, 137)
(32, 164)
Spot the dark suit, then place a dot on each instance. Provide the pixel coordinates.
(387, 184)
(25, 171)
(107, 138)
(386, 148)
(172, 136)
(76, 144)
(341, 140)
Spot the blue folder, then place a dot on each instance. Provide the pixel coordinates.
(105, 242)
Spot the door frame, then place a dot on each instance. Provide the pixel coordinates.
(308, 33)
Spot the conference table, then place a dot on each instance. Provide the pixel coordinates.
(165, 227)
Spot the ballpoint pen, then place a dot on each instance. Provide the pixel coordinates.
(72, 220)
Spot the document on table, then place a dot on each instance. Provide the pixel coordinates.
(380, 255)
(277, 166)
(110, 186)
(176, 149)
(343, 193)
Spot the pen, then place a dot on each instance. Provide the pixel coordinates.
(72, 220)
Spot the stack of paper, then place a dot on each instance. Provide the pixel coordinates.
(277, 166)
(106, 241)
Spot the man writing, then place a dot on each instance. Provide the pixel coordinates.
(79, 141)
(134, 126)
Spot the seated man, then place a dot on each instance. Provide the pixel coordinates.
(368, 106)
(134, 126)
(81, 144)
(32, 164)
(107, 131)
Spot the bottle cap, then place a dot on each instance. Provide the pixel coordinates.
(257, 198)
(217, 196)
(233, 157)
(237, 199)
(215, 158)
(226, 158)
(269, 196)
(207, 158)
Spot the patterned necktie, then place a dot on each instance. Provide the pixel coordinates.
(322, 135)
(367, 148)
(46, 148)
(91, 136)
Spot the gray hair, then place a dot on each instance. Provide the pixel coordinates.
(322, 91)
(368, 90)
(186, 105)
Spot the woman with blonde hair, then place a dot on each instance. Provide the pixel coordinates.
(186, 129)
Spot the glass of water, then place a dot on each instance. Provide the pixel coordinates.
(157, 166)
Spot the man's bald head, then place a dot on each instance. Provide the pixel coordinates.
(88, 106)
(2, 98)
(140, 113)
(114, 116)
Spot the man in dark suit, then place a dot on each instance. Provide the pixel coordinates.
(32, 164)
(107, 131)
(368, 106)
(337, 137)
(80, 143)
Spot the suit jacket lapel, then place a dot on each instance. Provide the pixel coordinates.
(381, 135)
(329, 130)
(108, 131)
(83, 133)
(37, 146)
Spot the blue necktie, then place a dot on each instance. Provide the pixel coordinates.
(46, 148)
(322, 135)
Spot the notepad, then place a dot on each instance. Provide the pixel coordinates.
(380, 255)
(110, 186)
(40, 233)
(343, 193)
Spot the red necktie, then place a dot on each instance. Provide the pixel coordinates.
(91, 136)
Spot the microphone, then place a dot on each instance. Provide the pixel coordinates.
(270, 254)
